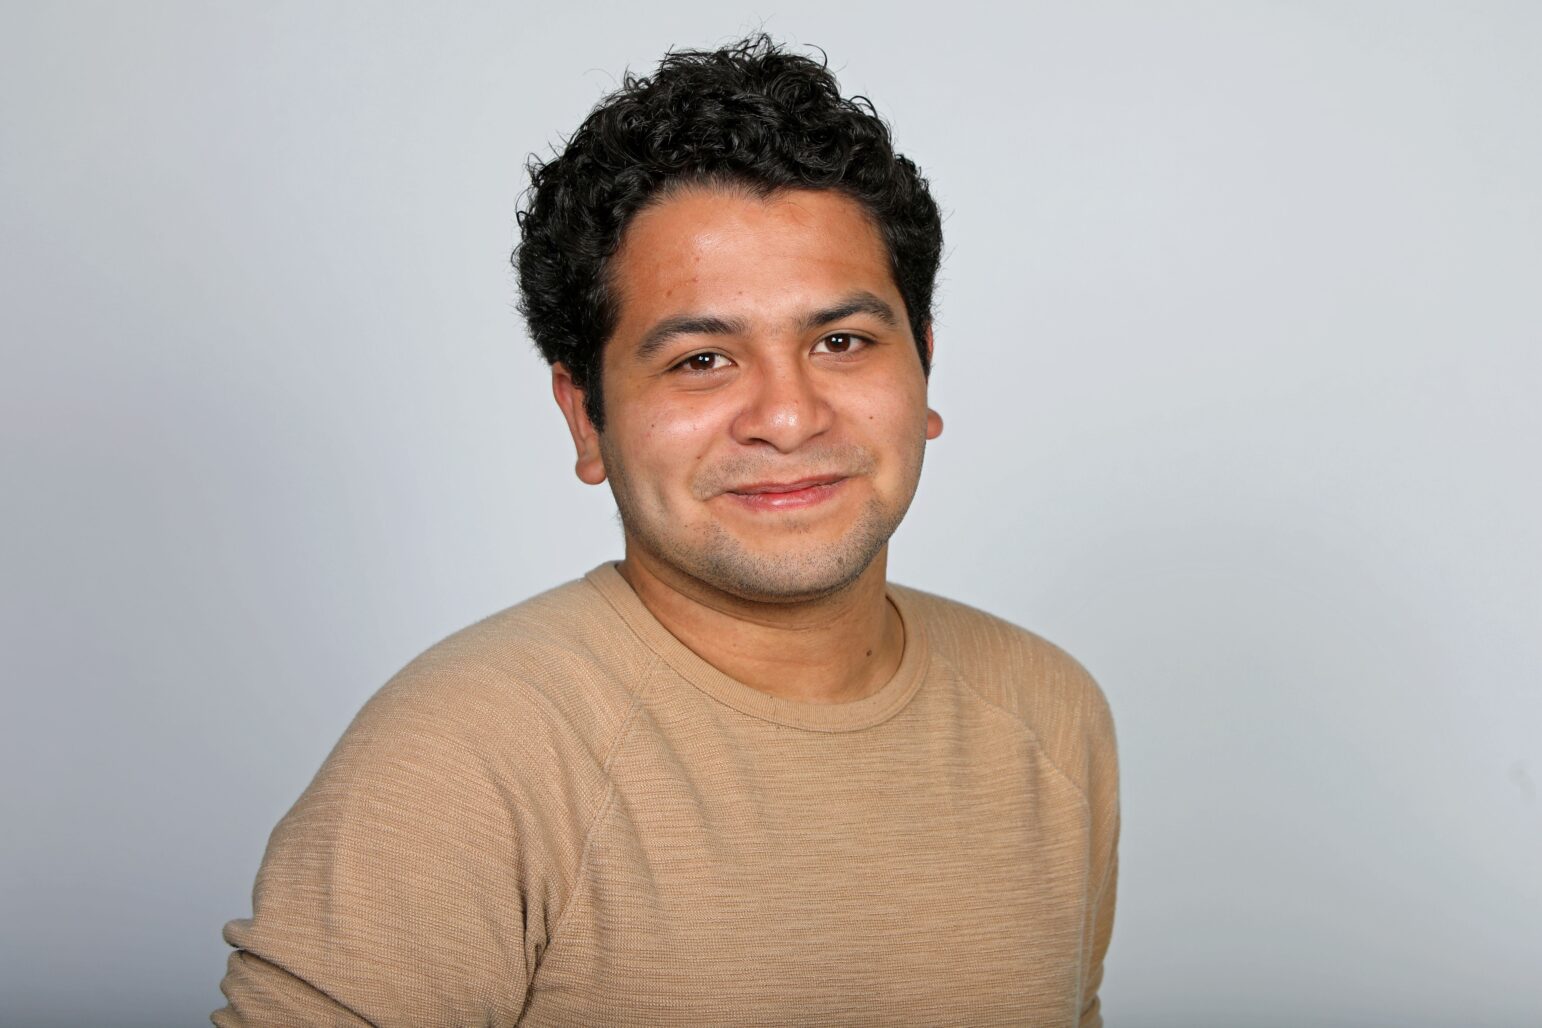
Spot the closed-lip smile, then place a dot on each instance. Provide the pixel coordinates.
(797, 494)
(758, 488)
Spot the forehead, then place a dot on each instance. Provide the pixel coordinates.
(734, 252)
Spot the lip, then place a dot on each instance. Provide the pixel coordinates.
(797, 495)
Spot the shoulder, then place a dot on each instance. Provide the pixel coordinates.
(462, 790)
(1023, 674)
(563, 654)
(1012, 667)
(551, 678)
(498, 733)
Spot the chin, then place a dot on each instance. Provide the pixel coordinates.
(799, 570)
(781, 581)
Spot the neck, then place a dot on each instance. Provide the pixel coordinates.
(830, 649)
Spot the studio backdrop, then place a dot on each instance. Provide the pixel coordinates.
(1237, 348)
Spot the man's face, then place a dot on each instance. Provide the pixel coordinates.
(765, 407)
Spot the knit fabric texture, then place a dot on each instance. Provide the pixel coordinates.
(563, 816)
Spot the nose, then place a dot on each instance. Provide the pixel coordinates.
(783, 407)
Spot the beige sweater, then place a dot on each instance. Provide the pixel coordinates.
(563, 816)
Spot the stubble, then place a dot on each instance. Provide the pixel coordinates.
(792, 565)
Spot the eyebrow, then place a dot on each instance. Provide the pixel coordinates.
(659, 336)
(686, 325)
(862, 302)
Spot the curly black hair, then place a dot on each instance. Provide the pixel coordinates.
(750, 115)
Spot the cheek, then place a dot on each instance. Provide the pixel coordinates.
(892, 414)
(682, 439)
(670, 448)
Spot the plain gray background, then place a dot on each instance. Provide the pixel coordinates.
(1237, 347)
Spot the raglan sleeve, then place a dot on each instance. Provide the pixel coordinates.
(1103, 803)
(412, 881)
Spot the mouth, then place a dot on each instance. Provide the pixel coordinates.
(805, 492)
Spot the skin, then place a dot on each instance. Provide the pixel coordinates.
(761, 345)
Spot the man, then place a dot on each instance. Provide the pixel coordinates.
(736, 778)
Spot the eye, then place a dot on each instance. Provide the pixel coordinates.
(840, 343)
(701, 362)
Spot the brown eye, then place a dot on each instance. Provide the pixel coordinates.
(840, 343)
(702, 362)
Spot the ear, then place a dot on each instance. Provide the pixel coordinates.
(590, 467)
(933, 419)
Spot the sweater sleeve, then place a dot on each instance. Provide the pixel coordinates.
(1103, 804)
(412, 882)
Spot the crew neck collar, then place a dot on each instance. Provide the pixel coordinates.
(815, 717)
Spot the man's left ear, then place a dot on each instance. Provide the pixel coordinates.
(933, 419)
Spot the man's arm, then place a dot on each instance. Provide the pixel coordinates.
(407, 886)
(261, 995)
(1103, 804)
(1102, 921)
